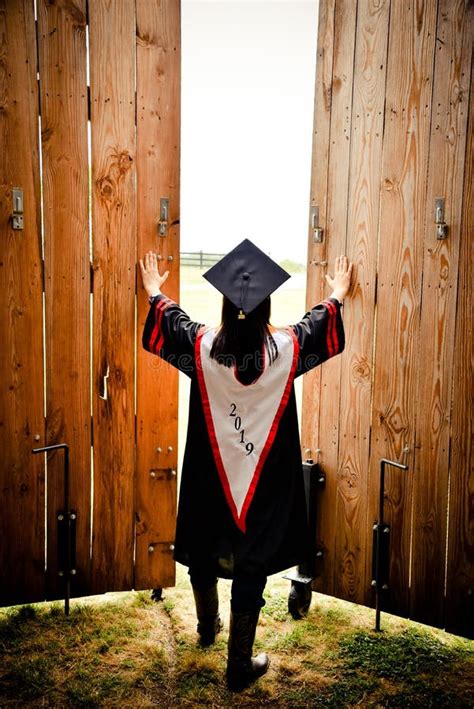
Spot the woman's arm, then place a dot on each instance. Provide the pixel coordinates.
(169, 332)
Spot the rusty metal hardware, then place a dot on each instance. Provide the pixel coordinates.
(164, 216)
(17, 212)
(162, 473)
(66, 519)
(441, 226)
(381, 544)
(164, 547)
(318, 232)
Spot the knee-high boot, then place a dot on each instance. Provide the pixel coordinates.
(242, 668)
(207, 611)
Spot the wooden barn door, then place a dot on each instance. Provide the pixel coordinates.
(90, 132)
(393, 132)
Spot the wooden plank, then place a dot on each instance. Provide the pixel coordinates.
(62, 66)
(22, 475)
(318, 196)
(438, 309)
(333, 245)
(112, 76)
(404, 174)
(158, 156)
(352, 532)
(459, 612)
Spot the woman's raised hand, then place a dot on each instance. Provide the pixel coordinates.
(341, 281)
(152, 281)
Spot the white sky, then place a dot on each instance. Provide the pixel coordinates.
(248, 69)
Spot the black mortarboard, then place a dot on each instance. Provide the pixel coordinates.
(246, 276)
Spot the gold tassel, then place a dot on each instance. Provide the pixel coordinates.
(241, 315)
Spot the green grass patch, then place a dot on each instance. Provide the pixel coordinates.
(276, 607)
(401, 656)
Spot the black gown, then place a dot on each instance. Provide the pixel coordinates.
(275, 535)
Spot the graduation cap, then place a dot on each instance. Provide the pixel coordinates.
(246, 276)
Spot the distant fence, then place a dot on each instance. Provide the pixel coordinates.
(199, 258)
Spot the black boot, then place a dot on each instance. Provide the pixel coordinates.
(207, 611)
(242, 668)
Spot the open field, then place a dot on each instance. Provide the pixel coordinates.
(124, 650)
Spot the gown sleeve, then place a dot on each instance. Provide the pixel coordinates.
(320, 335)
(170, 333)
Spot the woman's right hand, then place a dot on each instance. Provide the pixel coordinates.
(341, 281)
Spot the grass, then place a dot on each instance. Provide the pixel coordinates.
(125, 650)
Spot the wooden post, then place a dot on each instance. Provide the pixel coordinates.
(158, 154)
(22, 475)
(62, 67)
(403, 181)
(459, 611)
(447, 150)
(352, 529)
(112, 72)
(317, 251)
(334, 244)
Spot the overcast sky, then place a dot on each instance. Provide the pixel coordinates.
(248, 69)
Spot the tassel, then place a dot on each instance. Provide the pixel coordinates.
(243, 294)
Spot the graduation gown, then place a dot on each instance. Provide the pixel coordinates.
(241, 505)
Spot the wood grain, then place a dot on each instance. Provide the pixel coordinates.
(334, 244)
(318, 196)
(22, 475)
(459, 611)
(438, 308)
(112, 76)
(404, 174)
(62, 67)
(158, 156)
(352, 531)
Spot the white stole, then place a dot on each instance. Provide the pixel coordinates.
(242, 420)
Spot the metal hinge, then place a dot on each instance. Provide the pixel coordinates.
(441, 226)
(17, 208)
(164, 216)
(318, 233)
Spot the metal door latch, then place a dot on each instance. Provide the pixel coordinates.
(441, 226)
(17, 213)
(164, 212)
(318, 232)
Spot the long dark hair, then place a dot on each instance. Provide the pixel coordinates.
(240, 342)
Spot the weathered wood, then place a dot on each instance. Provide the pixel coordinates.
(22, 475)
(335, 244)
(112, 77)
(352, 532)
(158, 155)
(459, 611)
(411, 45)
(62, 67)
(438, 308)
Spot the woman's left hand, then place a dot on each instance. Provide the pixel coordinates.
(152, 281)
